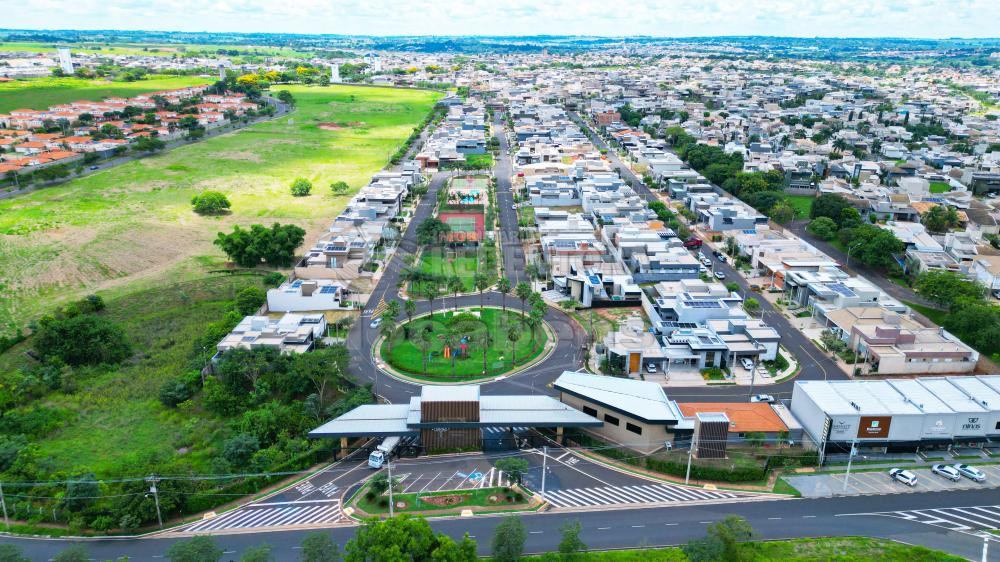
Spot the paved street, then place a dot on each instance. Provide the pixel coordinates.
(972, 519)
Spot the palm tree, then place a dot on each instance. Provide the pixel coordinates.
(482, 282)
(422, 339)
(455, 286)
(534, 321)
(513, 334)
(411, 308)
(504, 287)
(391, 311)
(454, 338)
(523, 291)
(484, 339)
(388, 330)
(432, 292)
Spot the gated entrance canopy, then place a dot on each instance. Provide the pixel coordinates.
(453, 417)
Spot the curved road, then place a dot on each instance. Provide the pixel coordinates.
(568, 353)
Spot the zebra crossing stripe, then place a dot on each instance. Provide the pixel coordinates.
(644, 494)
(985, 510)
(951, 513)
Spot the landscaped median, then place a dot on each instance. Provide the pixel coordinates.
(368, 503)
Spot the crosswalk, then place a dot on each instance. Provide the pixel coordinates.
(976, 519)
(624, 495)
(278, 514)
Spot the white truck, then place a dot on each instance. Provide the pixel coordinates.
(382, 453)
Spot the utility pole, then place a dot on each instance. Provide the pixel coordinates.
(545, 458)
(3, 505)
(156, 497)
(850, 458)
(388, 465)
(687, 475)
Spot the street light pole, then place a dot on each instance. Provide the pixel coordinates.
(545, 458)
(850, 459)
(3, 505)
(687, 475)
(388, 466)
(156, 497)
(849, 250)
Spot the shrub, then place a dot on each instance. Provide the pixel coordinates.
(239, 449)
(301, 187)
(249, 299)
(210, 203)
(174, 392)
(85, 339)
(274, 279)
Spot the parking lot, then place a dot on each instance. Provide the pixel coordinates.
(439, 474)
(878, 482)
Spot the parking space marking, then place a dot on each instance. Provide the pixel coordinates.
(430, 481)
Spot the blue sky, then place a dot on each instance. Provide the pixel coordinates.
(803, 18)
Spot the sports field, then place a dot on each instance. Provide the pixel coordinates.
(131, 227)
(41, 93)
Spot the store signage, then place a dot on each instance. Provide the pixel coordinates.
(874, 427)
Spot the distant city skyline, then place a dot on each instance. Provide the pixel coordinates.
(667, 18)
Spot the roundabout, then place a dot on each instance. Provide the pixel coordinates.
(465, 345)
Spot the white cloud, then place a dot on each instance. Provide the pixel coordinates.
(806, 18)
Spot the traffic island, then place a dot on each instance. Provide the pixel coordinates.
(367, 503)
(469, 345)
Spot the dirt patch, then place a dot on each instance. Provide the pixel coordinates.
(445, 501)
(336, 126)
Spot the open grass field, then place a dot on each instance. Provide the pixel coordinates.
(845, 549)
(483, 499)
(448, 330)
(114, 418)
(801, 203)
(460, 262)
(131, 227)
(940, 187)
(146, 49)
(41, 93)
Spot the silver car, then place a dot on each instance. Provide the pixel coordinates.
(948, 472)
(969, 472)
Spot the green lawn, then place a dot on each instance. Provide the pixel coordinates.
(150, 49)
(932, 314)
(940, 187)
(131, 227)
(41, 93)
(846, 549)
(801, 203)
(404, 353)
(114, 419)
(481, 497)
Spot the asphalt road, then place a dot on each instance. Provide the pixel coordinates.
(568, 354)
(608, 528)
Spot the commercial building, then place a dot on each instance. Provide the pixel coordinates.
(898, 415)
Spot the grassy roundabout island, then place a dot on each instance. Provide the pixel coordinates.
(450, 346)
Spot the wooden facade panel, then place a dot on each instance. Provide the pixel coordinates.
(449, 412)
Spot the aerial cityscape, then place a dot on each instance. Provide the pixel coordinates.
(687, 281)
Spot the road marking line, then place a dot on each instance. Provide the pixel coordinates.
(603, 528)
(774, 518)
(535, 532)
(808, 516)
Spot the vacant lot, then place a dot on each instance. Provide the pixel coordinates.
(41, 93)
(131, 227)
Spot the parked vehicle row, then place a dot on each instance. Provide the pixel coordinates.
(953, 472)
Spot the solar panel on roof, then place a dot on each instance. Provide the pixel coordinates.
(840, 289)
(326, 290)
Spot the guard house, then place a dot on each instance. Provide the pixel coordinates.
(453, 417)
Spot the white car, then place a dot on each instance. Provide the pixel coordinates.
(904, 476)
(376, 322)
(722, 258)
(947, 471)
(514, 207)
(706, 262)
(766, 398)
(747, 364)
(970, 472)
(651, 368)
(720, 275)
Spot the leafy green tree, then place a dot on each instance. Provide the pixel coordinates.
(940, 219)
(301, 187)
(503, 285)
(455, 286)
(284, 96)
(432, 231)
(782, 213)
(513, 334)
(514, 467)
(946, 287)
(249, 299)
(339, 187)
(75, 553)
(829, 205)
(751, 305)
(274, 246)
(239, 449)
(81, 492)
(210, 203)
(410, 307)
(197, 549)
(380, 483)
(84, 339)
(259, 553)
(977, 323)
(570, 545)
(481, 282)
(823, 227)
(405, 538)
(508, 539)
(319, 547)
(523, 292)
(11, 553)
(149, 144)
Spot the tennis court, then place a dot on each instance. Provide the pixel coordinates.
(465, 227)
